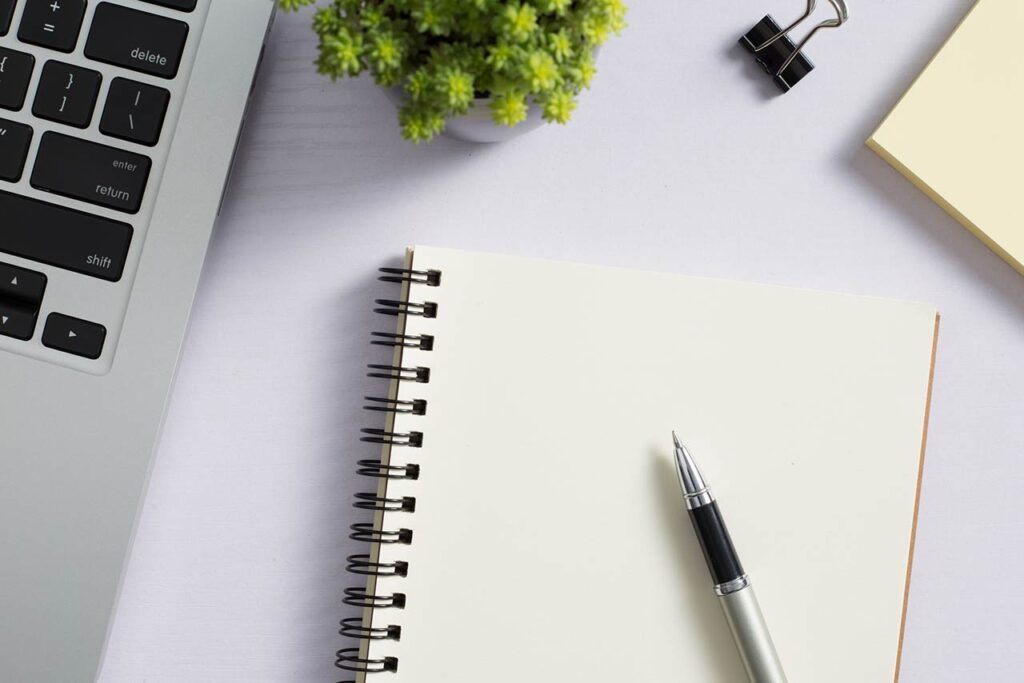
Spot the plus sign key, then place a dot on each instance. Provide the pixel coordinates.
(52, 23)
(134, 111)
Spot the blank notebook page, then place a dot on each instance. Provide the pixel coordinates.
(550, 537)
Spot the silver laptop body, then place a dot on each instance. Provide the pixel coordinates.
(103, 234)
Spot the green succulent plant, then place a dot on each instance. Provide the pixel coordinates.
(447, 53)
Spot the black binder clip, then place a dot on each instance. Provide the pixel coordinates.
(773, 49)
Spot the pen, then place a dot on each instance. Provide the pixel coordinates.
(731, 583)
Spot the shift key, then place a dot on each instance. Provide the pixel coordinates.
(61, 237)
(101, 175)
(136, 40)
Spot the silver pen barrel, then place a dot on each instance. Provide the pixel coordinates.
(750, 632)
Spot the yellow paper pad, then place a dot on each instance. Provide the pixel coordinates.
(958, 133)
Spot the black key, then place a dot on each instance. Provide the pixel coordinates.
(184, 5)
(94, 173)
(18, 283)
(67, 94)
(17, 319)
(63, 237)
(52, 23)
(14, 142)
(6, 13)
(15, 73)
(136, 40)
(71, 335)
(134, 111)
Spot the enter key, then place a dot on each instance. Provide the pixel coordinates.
(101, 175)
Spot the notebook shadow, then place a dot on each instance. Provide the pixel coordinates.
(693, 572)
(331, 512)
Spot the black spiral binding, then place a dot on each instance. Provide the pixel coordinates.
(356, 628)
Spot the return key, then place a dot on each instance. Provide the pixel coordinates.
(93, 173)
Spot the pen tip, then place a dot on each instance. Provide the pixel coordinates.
(690, 479)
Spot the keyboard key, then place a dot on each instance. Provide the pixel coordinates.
(52, 23)
(18, 283)
(15, 73)
(94, 173)
(67, 94)
(17, 319)
(71, 335)
(134, 111)
(183, 5)
(63, 237)
(6, 13)
(136, 40)
(14, 142)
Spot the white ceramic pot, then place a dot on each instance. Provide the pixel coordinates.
(476, 125)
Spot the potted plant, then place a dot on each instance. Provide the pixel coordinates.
(479, 69)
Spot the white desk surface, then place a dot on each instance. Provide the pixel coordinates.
(677, 161)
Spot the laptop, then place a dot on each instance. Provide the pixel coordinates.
(118, 125)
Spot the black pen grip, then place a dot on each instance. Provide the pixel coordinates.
(715, 542)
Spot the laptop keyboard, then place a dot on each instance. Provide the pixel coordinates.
(89, 91)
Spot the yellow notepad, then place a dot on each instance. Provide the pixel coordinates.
(958, 133)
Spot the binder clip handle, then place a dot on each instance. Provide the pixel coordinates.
(774, 50)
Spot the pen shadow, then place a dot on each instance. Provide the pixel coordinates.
(715, 637)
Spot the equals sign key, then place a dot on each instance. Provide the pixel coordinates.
(52, 23)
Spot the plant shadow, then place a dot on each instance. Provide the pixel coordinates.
(312, 143)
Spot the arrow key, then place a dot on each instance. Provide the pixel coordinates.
(18, 283)
(74, 336)
(17, 320)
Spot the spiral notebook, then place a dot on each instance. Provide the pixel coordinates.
(528, 524)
